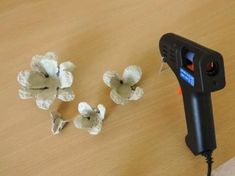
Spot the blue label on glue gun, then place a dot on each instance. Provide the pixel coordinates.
(186, 76)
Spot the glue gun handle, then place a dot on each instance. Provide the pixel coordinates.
(200, 123)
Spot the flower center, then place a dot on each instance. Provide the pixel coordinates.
(52, 82)
(124, 90)
(46, 75)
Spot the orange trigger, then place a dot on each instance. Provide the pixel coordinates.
(179, 91)
(190, 67)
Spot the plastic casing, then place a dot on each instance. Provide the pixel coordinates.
(196, 97)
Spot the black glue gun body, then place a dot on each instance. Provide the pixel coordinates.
(199, 71)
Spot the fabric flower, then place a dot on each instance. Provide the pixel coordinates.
(124, 89)
(90, 118)
(57, 123)
(47, 80)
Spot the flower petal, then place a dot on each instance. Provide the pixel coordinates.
(45, 98)
(25, 93)
(137, 94)
(111, 79)
(31, 79)
(50, 66)
(46, 64)
(57, 123)
(82, 122)
(117, 98)
(124, 91)
(36, 65)
(51, 55)
(66, 94)
(52, 82)
(101, 112)
(66, 79)
(23, 77)
(96, 129)
(84, 108)
(132, 74)
(67, 66)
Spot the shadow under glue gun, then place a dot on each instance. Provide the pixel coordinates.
(199, 71)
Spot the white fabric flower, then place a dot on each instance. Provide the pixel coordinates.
(124, 89)
(90, 118)
(47, 80)
(57, 123)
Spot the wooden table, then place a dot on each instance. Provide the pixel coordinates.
(144, 138)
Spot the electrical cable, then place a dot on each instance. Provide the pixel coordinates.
(209, 160)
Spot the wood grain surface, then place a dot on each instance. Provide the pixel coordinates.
(143, 138)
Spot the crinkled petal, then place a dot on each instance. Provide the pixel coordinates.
(50, 66)
(46, 64)
(66, 79)
(137, 94)
(96, 129)
(132, 74)
(51, 55)
(25, 93)
(101, 112)
(31, 79)
(36, 65)
(67, 66)
(84, 108)
(23, 78)
(111, 79)
(82, 122)
(66, 94)
(117, 98)
(45, 98)
(57, 123)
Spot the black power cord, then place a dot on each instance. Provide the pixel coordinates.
(209, 160)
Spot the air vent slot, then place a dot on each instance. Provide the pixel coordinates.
(164, 51)
(172, 55)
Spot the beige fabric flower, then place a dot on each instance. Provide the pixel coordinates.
(47, 80)
(90, 118)
(124, 89)
(57, 123)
